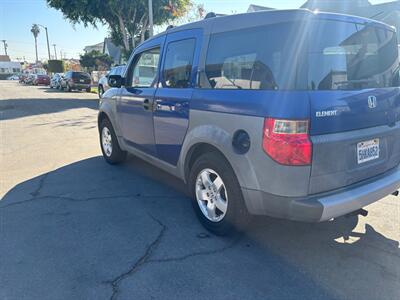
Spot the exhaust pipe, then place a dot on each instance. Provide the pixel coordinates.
(361, 212)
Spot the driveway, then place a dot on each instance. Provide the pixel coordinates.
(74, 227)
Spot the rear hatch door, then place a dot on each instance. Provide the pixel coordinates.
(354, 104)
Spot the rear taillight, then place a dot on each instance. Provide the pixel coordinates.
(287, 141)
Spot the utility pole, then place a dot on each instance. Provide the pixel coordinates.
(47, 37)
(5, 46)
(151, 18)
(55, 52)
(48, 45)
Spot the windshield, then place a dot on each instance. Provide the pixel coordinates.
(354, 57)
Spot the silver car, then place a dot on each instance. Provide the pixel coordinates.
(103, 82)
(55, 81)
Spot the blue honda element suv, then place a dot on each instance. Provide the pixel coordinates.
(290, 114)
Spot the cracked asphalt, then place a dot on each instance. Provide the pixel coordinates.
(74, 227)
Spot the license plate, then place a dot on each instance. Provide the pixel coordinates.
(82, 80)
(368, 150)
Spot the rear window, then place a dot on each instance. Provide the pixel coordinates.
(354, 57)
(80, 75)
(309, 55)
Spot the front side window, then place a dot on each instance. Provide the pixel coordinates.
(178, 64)
(145, 69)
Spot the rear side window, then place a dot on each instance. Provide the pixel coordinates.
(178, 64)
(352, 56)
(256, 58)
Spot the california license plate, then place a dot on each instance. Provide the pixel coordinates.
(367, 150)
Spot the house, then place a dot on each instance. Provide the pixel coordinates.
(388, 12)
(112, 50)
(106, 47)
(385, 12)
(4, 58)
(8, 68)
(97, 47)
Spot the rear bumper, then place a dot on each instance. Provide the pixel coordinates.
(323, 207)
(80, 86)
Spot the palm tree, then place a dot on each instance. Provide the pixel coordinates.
(35, 31)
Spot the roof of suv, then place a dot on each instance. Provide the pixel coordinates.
(246, 20)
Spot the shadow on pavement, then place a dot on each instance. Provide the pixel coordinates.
(19, 108)
(49, 90)
(92, 231)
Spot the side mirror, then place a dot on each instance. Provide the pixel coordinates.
(115, 81)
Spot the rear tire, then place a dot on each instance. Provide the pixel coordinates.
(227, 195)
(88, 90)
(68, 88)
(110, 148)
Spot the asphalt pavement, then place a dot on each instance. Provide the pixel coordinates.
(74, 227)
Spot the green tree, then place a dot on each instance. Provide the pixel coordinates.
(35, 31)
(95, 60)
(56, 66)
(127, 19)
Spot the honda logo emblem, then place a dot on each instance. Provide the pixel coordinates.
(372, 102)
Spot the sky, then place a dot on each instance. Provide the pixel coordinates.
(17, 17)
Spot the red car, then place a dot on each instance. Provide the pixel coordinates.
(42, 80)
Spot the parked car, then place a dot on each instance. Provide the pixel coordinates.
(22, 78)
(76, 81)
(41, 80)
(55, 81)
(13, 77)
(103, 82)
(291, 114)
(30, 79)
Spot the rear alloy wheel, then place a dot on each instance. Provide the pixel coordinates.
(109, 144)
(211, 195)
(217, 197)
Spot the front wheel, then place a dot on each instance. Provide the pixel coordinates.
(110, 148)
(217, 197)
